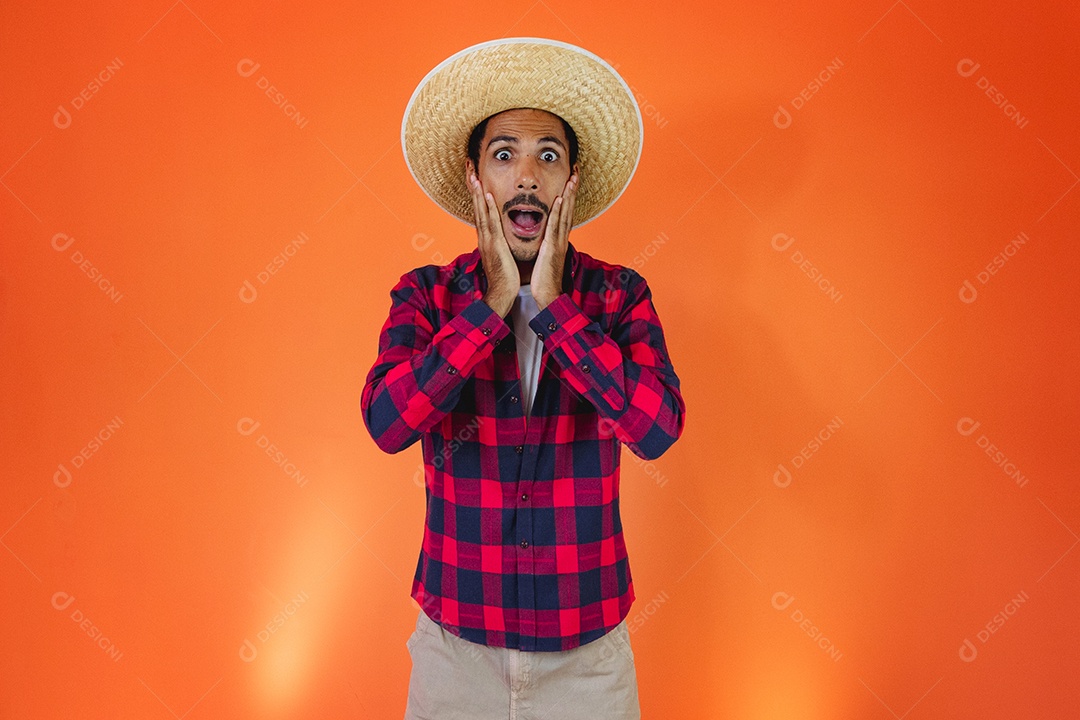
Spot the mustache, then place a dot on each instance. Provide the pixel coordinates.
(524, 199)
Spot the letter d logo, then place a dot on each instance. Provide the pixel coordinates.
(247, 67)
(605, 428)
(782, 478)
(248, 293)
(62, 477)
(967, 67)
(61, 238)
(248, 652)
(782, 118)
(781, 600)
(968, 293)
(61, 600)
(965, 426)
(62, 118)
(783, 238)
(968, 651)
(246, 426)
(420, 238)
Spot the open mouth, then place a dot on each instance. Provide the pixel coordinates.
(525, 221)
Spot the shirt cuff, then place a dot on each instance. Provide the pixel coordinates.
(593, 362)
(559, 320)
(479, 324)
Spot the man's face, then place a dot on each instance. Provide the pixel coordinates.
(524, 164)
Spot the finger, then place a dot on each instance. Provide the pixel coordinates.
(472, 192)
(480, 204)
(493, 216)
(555, 219)
(475, 205)
(568, 209)
(568, 215)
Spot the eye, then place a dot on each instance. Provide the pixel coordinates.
(503, 154)
(549, 155)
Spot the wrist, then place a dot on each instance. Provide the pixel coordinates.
(500, 304)
(543, 300)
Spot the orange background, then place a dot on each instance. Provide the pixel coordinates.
(895, 536)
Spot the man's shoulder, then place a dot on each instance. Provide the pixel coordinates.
(445, 274)
(603, 276)
(593, 263)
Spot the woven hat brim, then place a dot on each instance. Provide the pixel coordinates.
(488, 78)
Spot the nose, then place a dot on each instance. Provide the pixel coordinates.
(526, 172)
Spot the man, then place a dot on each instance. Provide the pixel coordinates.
(521, 367)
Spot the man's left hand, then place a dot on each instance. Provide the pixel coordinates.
(547, 272)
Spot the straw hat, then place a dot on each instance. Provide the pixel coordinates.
(498, 75)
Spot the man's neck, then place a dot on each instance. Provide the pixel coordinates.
(525, 270)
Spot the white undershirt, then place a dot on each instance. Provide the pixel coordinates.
(529, 347)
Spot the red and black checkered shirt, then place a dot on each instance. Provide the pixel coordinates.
(523, 544)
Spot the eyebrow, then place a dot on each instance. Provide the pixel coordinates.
(512, 139)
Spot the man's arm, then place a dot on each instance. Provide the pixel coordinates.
(627, 376)
(417, 376)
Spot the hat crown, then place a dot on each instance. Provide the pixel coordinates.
(497, 75)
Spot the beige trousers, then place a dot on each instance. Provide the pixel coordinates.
(456, 679)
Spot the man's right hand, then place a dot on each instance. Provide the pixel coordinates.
(501, 269)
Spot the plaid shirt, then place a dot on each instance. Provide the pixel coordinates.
(523, 544)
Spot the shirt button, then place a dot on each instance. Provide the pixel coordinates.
(452, 370)
(585, 368)
(519, 449)
(552, 326)
(513, 398)
(540, 335)
(524, 543)
(486, 331)
(524, 496)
